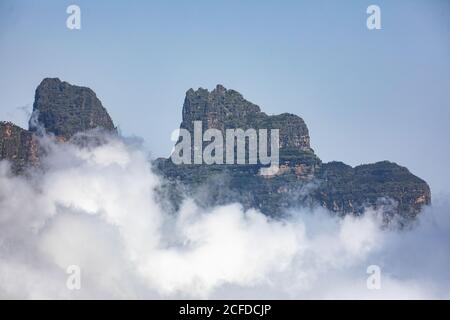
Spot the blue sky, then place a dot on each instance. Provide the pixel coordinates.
(365, 95)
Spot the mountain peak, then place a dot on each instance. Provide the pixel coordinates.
(64, 109)
(227, 109)
(220, 89)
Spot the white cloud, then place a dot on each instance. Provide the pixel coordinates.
(95, 207)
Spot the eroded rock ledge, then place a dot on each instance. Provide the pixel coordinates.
(303, 180)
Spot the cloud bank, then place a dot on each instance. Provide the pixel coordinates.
(95, 207)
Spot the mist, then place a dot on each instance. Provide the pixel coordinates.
(95, 206)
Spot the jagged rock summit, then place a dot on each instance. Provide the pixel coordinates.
(60, 109)
(64, 109)
(18, 146)
(227, 109)
(302, 180)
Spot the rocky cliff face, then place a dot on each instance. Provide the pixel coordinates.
(227, 109)
(64, 109)
(59, 108)
(383, 184)
(303, 180)
(17, 145)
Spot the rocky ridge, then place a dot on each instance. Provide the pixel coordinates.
(60, 109)
(303, 180)
(64, 109)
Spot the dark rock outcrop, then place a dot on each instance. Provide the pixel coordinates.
(302, 180)
(64, 109)
(17, 145)
(227, 109)
(59, 108)
(386, 184)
